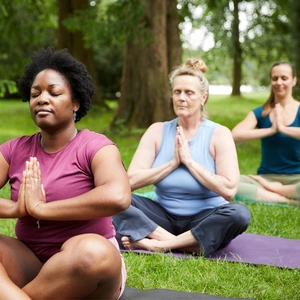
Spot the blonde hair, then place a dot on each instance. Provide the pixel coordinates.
(193, 67)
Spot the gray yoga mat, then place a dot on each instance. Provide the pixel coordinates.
(164, 294)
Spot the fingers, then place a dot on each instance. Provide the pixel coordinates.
(33, 172)
(34, 193)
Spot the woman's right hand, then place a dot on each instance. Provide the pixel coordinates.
(20, 206)
(274, 126)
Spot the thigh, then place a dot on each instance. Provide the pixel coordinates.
(20, 263)
(248, 180)
(153, 211)
(87, 267)
(283, 178)
(215, 228)
(229, 214)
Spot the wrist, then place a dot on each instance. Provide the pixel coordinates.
(37, 211)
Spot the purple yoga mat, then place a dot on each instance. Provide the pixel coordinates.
(254, 249)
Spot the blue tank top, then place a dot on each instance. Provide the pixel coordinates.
(280, 153)
(179, 192)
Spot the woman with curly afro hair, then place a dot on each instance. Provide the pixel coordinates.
(65, 186)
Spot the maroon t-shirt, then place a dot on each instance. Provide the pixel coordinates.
(65, 174)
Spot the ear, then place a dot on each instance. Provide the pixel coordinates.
(76, 105)
(204, 98)
(294, 81)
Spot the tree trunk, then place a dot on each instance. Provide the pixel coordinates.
(174, 49)
(74, 42)
(237, 52)
(145, 91)
(295, 23)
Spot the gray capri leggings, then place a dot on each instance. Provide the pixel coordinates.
(212, 228)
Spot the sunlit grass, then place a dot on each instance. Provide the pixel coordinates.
(218, 278)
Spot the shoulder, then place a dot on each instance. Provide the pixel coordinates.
(210, 124)
(159, 128)
(155, 128)
(16, 148)
(221, 130)
(87, 137)
(220, 133)
(257, 111)
(20, 141)
(88, 143)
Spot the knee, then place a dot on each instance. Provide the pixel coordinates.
(240, 215)
(92, 256)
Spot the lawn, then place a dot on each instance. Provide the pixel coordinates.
(217, 278)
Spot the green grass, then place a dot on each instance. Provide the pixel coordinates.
(218, 278)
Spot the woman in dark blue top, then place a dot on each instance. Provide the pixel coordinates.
(277, 125)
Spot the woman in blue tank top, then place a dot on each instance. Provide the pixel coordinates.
(277, 125)
(193, 165)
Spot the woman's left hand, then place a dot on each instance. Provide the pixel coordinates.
(278, 117)
(34, 191)
(182, 146)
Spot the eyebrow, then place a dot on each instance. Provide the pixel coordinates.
(50, 85)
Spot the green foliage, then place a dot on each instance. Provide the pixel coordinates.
(106, 27)
(265, 32)
(108, 22)
(25, 26)
(7, 86)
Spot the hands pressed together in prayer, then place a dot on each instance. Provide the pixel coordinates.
(182, 149)
(278, 124)
(31, 193)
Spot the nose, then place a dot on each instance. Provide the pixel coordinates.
(182, 96)
(43, 99)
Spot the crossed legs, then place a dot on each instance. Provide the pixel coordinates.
(87, 267)
(258, 188)
(146, 225)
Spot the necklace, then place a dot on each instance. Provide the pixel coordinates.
(75, 133)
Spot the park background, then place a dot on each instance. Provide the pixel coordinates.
(129, 47)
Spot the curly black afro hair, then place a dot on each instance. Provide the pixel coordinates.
(62, 61)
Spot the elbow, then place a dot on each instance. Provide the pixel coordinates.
(132, 182)
(228, 196)
(122, 202)
(230, 193)
(237, 135)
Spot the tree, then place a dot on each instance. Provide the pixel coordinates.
(73, 39)
(145, 92)
(250, 35)
(237, 51)
(217, 16)
(295, 24)
(25, 28)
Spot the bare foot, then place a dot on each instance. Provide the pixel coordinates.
(144, 244)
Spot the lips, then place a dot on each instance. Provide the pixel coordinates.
(43, 111)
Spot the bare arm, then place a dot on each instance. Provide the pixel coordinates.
(140, 171)
(9, 208)
(291, 131)
(246, 130)
(222, 148)
(110, 196)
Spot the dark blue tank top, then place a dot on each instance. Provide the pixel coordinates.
(280, 153)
